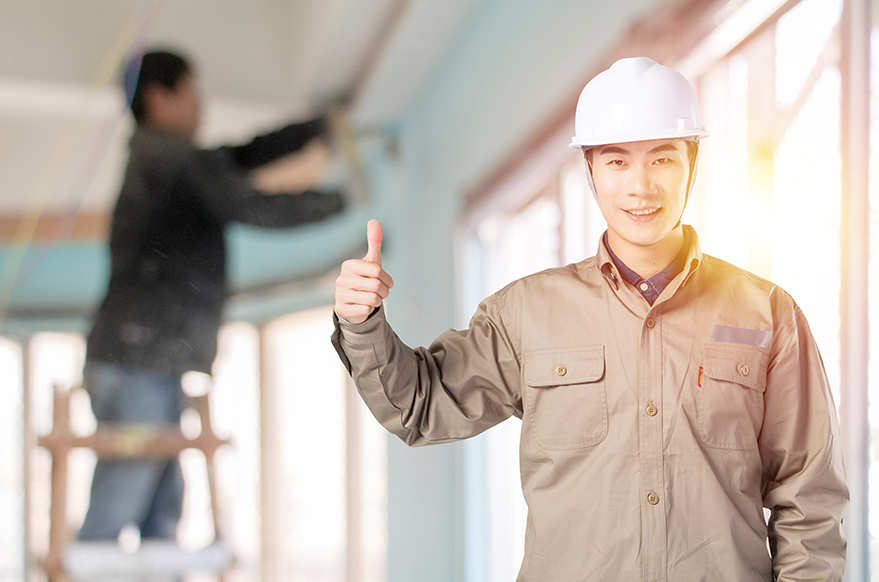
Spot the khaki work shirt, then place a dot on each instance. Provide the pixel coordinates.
(652, 436)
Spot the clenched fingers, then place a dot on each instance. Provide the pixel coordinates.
(364, 269)
(357, 284)
(360, 289)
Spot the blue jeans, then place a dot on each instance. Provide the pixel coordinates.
(143, 492)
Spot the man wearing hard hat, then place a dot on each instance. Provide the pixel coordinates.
(666, 397)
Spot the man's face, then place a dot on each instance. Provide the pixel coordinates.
(177, 110)
(641, 188)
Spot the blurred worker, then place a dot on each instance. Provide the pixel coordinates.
(666, 397)
(163, 307)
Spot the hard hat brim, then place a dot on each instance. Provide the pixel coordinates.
(637, 135)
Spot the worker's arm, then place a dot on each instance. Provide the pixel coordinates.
(463, 384)
(227, 193)
(266, 148)
(805, 485)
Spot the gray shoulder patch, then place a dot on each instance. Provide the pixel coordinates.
(740, 335)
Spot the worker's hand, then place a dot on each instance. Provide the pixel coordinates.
(363, 285)
(301, 170)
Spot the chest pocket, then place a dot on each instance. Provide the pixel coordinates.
(729, 395)
(566, 400)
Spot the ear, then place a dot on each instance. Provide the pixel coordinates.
(587, 155)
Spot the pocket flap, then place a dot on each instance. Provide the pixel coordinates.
(734, 363)
(559, 367)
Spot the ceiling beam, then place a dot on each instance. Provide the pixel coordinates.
(373, 56)
(54, 227)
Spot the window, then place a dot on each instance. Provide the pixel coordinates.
(12, 491)
(302, 491)
(771, 168)
(768, 197)
(326, 491)
(873, 316)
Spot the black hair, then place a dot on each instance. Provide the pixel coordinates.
(155, 68)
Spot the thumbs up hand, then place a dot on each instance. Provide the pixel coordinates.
(362, 285)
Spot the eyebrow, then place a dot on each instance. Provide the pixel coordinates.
(613, 150)
(666, 147)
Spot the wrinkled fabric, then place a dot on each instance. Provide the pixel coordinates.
(164, 302)
(648, 451)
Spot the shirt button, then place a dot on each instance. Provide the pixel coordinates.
(744, 369)
(650, 324)
(652, 498)
(651, 410)
(644, 286)
(561, 370)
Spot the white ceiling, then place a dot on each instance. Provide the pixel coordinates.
(62, 121)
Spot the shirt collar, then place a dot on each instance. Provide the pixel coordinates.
(689, 260)
(694, 253)
(628, 275)
(606, 265)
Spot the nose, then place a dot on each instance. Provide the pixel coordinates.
(640, 181)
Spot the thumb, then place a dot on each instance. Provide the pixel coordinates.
(374, 242)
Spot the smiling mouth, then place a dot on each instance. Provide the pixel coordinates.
(643, 212)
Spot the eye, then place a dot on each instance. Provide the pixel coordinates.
(616, 162)
(663, 161)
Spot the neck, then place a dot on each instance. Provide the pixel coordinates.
(648, 260)
(170, 129)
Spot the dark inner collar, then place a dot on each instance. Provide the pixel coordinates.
(651, 288)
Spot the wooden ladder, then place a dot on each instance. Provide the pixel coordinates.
(117, 441)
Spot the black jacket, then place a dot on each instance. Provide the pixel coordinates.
(168, 276)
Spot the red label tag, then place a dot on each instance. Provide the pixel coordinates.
(700, 376)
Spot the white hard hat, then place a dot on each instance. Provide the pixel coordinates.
(636, 99)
